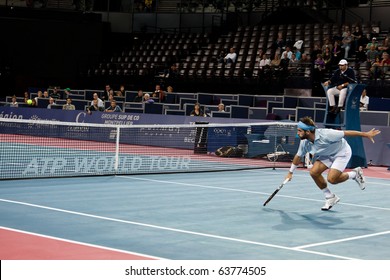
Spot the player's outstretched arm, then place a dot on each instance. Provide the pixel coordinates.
(368, 134)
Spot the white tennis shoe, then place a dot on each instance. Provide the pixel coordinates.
(330, 202)
(360, 178)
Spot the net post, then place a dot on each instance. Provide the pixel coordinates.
(116, 164)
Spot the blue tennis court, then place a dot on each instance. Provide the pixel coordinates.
(206, 216)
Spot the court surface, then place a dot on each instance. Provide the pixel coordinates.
(201, 216)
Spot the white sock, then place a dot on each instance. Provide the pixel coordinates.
(351, 174)
(327, 193)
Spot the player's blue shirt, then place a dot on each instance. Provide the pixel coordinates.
(327, 142)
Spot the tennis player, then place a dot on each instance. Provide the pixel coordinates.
(330, 150)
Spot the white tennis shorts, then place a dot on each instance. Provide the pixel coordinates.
(338, 161)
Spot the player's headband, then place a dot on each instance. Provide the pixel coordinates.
(304, 126)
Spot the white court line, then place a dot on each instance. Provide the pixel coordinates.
(342, 240)
(225, 238)
(80, 243)
(245, 191)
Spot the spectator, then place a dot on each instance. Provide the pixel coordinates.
(221, 107)
(147, 98)
(26, 97)
(39, 95)
(139, 97)
(275, 63)
(169, 89)
(230, 57)
(68, 105)
(172, 72)
(55, 94)
(197, 112)
(95, 107)
(375, 68)
(357, 37)
(13, 102)
(327, 56)
(121, 92)
(293, 63)
(364, 101)
(347, 40)
(51, 102)
(159, 93)
(99, 101)
(45, 94)
(372, 54)
(106, 93)
(384, 47)
(319, 68)
(327, 44)
(288, 52)
(339, 82)
(385, 63)
(113, 107)
(67, 93)
(360, 55)
(336, 52)
(372, 43)
(264, 62)
(279, 44)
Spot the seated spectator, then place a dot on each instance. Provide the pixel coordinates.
(39, 95)
(51, 102)
(372, 54)
(264, 62)
(197, 112)
(13, 102)
(172, 72)
(319, 68)
(288, 52)
(293, 63)
(384, 47)
(385, 63)
(55, 94)
(327, 57)
(169, 89)
(372, 43)
(121, 92)
(66, 93)
(364, 100)
(139, 97)
(26, 96)
(96, 97)
(375, 68)
(113, 107)
(95, 107)
(159, 93)
(147, 98)
(45, 94)
(230, 57)
(275, 63)
(336, 52)
(68, 105)
(360, 55)
(346, 43)
(221, 107)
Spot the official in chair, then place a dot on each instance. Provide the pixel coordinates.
(338, 85)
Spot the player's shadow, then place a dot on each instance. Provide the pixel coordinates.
(321, 220)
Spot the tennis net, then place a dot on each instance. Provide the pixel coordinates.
(39, 149)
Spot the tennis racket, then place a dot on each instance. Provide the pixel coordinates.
(275, 192)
